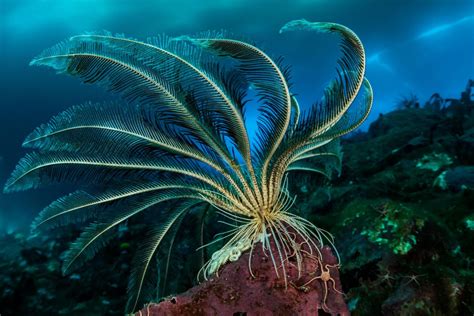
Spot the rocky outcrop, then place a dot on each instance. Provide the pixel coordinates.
(236, 292)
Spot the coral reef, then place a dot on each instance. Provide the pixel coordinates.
(405, 243)
(32, 283)
(402, 211)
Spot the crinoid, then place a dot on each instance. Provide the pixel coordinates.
(179, 138)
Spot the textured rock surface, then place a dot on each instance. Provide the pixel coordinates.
(236, 292)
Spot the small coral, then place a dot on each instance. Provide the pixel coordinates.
(395, 228)
(434, 161)
(470, 222)
(440, 181)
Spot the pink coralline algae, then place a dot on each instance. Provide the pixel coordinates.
(236, 292)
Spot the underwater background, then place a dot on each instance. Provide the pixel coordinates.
(401, 210)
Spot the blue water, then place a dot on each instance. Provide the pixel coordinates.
(417, 47)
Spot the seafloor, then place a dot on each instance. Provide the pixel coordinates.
(402, 212)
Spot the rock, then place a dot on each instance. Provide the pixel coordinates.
(235, 292)
(465, 147)
(456, 179)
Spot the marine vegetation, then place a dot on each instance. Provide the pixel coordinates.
(177, 142)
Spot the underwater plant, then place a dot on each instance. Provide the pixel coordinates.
(179, 137)
(408, 102)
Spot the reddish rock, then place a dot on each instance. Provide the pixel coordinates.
(236, 292)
